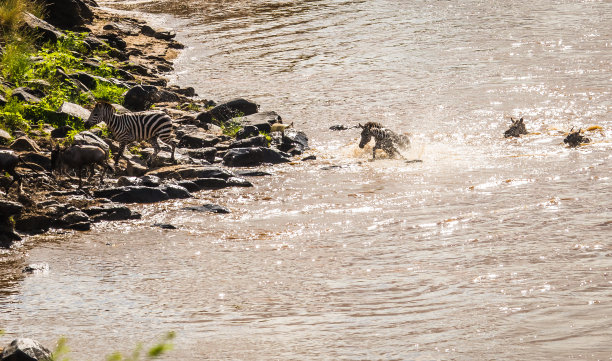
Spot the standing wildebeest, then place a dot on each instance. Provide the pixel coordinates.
(8, 162)
(127, 128)
(384, 139)
(79, 156)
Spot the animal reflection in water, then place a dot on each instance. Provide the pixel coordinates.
(384, 139)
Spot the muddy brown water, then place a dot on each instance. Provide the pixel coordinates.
(491, 248)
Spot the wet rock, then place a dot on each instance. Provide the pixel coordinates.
(226, 111)
(198, 140)
(44, 31)
(134, 169)
(150, 180)
(76, 220)
(339, 127)
(210, 183)
(95, 43)
(163, 34)
(164, 226)
(61, 132)
(310, 157)
(124, 181)
(188, 92)
(516, 129)
(207, 154)
(36, 268)
(5, 137)
(189, 185)
(259, 141)
(176, 191)
(294, 142)
(24, 144)
(74, 110)
(575, 139)
(248, 157)
(67, 14)
(213, 208)
(253, 173)
(247, 131)
(238, 182)
(88, 138)
(139, 194)
(25, 349)
(268, 117)
(33, 223)
(191, 172)
(110, 212)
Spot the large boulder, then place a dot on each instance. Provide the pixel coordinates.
(258, 141)
(88, 138)
(208, 154)
(226, 111)
(133, 194)
(110, 212)
(139, 98)
(5, 137)
(74, 110)
(198, 139)
(45, 32)
(25, 349)
(24, 144)
(248, 157)
(294, 142)
(67, 14)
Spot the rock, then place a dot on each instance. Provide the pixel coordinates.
(176, 191)
(238, 182)
(88, 138)
(165, 96)
(33, 223)
(191, 172)
(9, 208)
(516, 129)
(36, 268)
(110, 212)
(77, 220)
(95, 43)
(207, 154)
(294, 142)
(224, 112)
(247, 131)
(61, 132)
(259, 141)
(5, 137)
(575, 139)
(114, 40)
(163, 34)
(45, 32)
(25, 95)
(128, 181)
(139, 98)
(67, 14)
(135, 169)
(38, 159)
(253, 173)
(263, 127)
(188, 92)
(310, 157)
(268, 117)
(198, 139)
(339, 127)
(214, 208)
(247, 157)
(90, 81)
(23, 144)
(139, 194)
(164, 226)
(74, 110)
(211, 183)
(189, 185)
(150, 181)
(25, 349)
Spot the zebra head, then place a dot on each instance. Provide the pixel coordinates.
(366, 134)
(100, 113)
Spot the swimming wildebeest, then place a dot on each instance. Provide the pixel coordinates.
(516, 128)
(384, 139)
(78, 157)
(574, 139)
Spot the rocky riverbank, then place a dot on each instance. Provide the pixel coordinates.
(214, 140)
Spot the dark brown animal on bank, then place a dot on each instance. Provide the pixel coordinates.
(8, 162)
(516, 129)
(78, 157)
(575, 139)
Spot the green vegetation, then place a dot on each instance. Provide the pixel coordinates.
(44, 68)
(231, 128)
(61, 351)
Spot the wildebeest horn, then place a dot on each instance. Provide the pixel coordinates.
(361, 126)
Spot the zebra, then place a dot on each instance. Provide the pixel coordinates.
(384, 139)
(130, 127)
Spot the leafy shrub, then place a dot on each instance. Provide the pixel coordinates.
(15, 62)
(109, 92)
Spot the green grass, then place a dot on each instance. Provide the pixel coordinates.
(230, 128)
(109, 92)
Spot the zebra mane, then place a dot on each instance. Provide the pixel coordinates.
(370, 125)
(105, 105)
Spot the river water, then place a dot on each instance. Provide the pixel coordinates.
(491, 248)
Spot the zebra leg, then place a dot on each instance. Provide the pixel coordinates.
(156, 150)
(121, 149)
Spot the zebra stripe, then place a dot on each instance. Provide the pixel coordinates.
(384, 138)
(127, 128)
